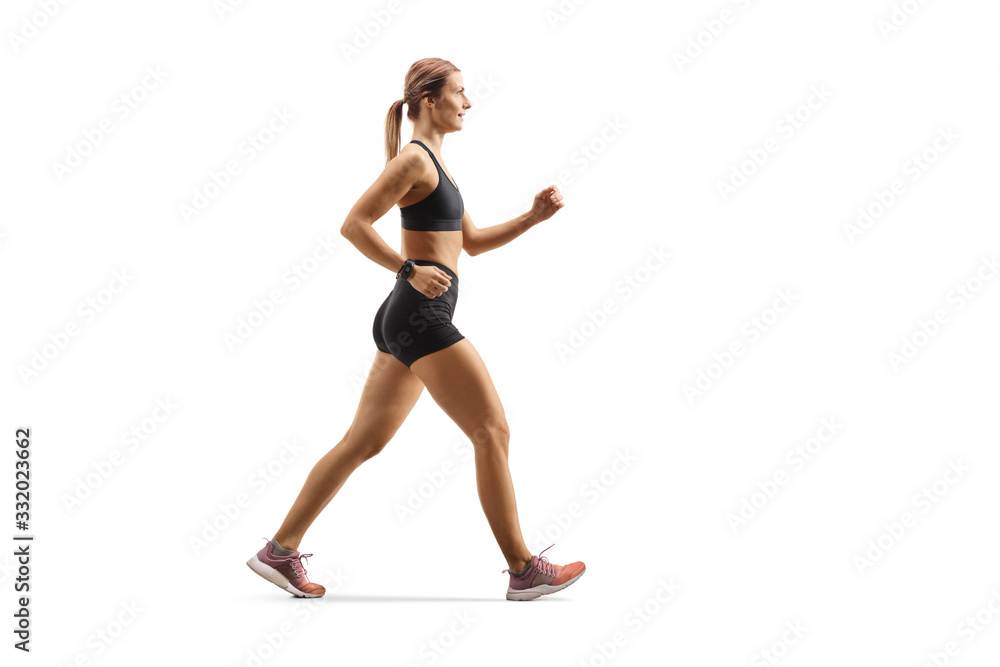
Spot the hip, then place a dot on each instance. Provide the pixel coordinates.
(405, 298)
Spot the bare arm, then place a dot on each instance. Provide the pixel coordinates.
(476, 241)
(395, 181)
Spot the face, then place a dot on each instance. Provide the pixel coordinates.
(450, 110)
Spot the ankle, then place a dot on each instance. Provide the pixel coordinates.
(518, 564)
(290, 542)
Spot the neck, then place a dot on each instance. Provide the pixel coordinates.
(432, 140)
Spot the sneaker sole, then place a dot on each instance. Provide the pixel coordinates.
(277, 578)
(536, 592)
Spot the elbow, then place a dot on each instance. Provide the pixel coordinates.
(470, 246)
(352, 227)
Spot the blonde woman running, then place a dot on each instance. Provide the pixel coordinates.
(418, 345)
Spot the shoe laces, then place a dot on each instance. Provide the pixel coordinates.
(296, 564)
(542, 563)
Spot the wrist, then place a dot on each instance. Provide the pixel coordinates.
(529, 220)
(406, 270)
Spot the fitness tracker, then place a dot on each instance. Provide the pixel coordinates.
(404, 272)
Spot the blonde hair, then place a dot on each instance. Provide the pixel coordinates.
(425, 78)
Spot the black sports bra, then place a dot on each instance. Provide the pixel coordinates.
(440, 211)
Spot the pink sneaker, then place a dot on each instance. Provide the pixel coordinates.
(543, 578)
(285, 572)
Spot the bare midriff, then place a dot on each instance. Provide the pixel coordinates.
(440, 247)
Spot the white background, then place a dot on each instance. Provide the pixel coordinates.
(544, 91)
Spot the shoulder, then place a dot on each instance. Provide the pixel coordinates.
(411, 158)
(411, 164)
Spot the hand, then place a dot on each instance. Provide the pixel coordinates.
(429, 280)
(546, 203)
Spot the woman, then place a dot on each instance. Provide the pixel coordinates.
(417, 343)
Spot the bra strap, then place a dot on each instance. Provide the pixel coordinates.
(437, 164)
(419, 143)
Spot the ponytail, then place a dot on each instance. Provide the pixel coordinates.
(393, 120)
(425, 78)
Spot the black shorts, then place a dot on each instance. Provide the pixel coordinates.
(409, 325)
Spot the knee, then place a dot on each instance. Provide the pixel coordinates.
(364, 450)
(494, 435)
(371, 451)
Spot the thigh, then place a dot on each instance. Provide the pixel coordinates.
(458, 381)
(390, 392)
